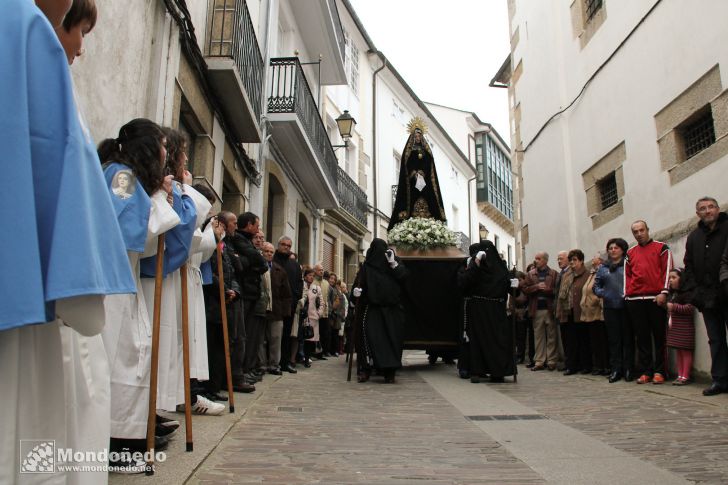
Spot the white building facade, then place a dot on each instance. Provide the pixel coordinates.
(619, 111)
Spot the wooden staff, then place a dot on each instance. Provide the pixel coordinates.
(225, 337)
(353, 336)
(154, 371)
(186, 356)
(513, 329)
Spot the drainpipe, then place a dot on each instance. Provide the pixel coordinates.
(263, 122)
(374, 140)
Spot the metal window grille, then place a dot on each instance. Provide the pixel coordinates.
(592, 7)
(699, 135)
(608, 190)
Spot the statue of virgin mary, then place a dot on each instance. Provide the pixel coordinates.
(418, 191)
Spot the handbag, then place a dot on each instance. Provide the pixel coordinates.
(307, 330)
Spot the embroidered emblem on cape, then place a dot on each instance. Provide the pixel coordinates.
(123, 184)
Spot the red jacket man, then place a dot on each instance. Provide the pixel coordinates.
(646, 269)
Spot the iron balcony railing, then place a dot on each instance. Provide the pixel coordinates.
(351, 197)
(289, 93)
(232, 36)
(339, 28)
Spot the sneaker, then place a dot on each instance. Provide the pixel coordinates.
(131, 467)
(204, 406)
(644, 379)
(658, 379)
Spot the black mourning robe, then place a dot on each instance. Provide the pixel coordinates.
(380, 315)
(410, 202)
(487, 325)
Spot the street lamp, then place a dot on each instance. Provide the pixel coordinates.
(483, 232)
(345, 123)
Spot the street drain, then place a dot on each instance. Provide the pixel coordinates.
(506, 417)
(289, 409)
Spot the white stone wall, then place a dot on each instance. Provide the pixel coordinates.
(673, 48)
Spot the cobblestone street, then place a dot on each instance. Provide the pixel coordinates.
(431, 427)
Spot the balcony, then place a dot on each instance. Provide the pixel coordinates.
(235, 67)
(300, 134)
(320, 27)
(352, 198)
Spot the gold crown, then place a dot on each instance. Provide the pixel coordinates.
(416, 123)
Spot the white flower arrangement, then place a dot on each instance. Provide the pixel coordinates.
(421, 233)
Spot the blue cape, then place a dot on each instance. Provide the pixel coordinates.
(178, 240)
(131, 204)
(61, 237)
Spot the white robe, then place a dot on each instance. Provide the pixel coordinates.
(170, 383)
(128, 336)
(52, 393)
(203, 248)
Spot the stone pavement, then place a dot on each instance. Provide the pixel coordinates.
(433, 428)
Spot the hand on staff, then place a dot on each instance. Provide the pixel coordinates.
(167, 187)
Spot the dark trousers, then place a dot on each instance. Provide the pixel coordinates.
(621, 339)
(564, 331)
(524, 330)
(286, 341)
(649, 322)
(334, 336)
(216, 347)
(716, 321)
(598, 342)
(252, 335)
(325, 335)
(579, 355)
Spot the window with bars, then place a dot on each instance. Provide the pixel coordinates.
(699, 134)
(607, 188)
(592, 7)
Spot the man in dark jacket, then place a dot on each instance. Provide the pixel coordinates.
(703, 252)
(278, 308)
(252, 266)
(295, 281)
(233, 305)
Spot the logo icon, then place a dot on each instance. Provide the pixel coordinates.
(37, 456)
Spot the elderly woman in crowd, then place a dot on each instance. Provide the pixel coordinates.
(578, 358)
(609, 286)
(593, 314)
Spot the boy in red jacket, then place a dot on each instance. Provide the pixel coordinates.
(646, 270)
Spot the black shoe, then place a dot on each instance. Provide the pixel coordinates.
(570, 372)
(163, 431)
(166, 422)
(586, 371)
(531, 365)
(275, 372)
(307, 363)
(213, 396)
(289, 368)
(497, 379)
(628, 376)
(464, 374)
(614, 377)
(597, 372)
(243, 387)
(475, 379)
(713, 390)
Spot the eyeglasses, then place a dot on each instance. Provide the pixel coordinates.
(707, 208)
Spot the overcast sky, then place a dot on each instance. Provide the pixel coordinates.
(446, 50)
